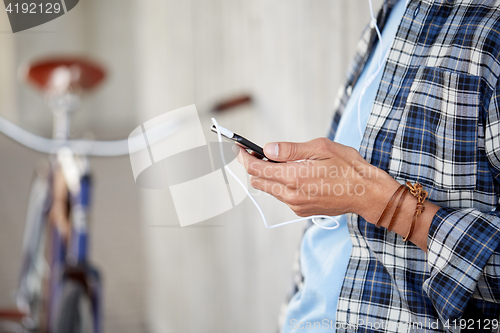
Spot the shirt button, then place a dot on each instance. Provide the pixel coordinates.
(415, 13)
(349, 91)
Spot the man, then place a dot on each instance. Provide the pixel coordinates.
(434, 118)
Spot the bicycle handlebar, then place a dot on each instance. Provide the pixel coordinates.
(104, 148)
(85, 147)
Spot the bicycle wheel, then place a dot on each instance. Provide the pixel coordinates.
(75, 314)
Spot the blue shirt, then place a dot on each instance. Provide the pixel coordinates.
(324, 254)
(435, 120)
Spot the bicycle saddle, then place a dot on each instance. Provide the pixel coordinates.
(62, 73)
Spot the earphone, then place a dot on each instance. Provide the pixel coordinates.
(228, 170)
(369, 81)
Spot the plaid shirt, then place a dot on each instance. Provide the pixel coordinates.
(436, 121)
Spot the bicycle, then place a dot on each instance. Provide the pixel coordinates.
(59, 290)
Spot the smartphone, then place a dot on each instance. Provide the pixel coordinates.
(243, 142)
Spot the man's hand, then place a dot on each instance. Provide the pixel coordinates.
(321, 177)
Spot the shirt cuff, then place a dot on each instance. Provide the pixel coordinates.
(459, 245)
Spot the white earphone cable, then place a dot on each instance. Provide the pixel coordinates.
(368, 83)
(312, 218)
(382, 57)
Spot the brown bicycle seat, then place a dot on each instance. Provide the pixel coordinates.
(12, 314)
(88, 73)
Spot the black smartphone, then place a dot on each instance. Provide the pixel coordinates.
(243, 142)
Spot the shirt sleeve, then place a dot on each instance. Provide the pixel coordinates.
(463, 245)
(489, 280)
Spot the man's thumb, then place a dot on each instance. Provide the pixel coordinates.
(288, 151)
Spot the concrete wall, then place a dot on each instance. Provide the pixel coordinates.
(103, 30)
(291, 55)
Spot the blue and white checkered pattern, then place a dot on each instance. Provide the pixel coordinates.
(436, 121)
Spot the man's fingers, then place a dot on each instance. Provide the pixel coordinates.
(283, 193)
(274, 188)
(250, 162)
(293, 151)
(286, 174)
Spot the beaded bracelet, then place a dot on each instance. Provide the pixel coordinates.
(418, 192)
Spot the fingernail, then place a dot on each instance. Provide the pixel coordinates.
(272, 149)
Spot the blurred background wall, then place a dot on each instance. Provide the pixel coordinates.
(290, 55)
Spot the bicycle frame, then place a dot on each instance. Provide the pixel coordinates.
(56, 237)
(69, 253)
(53, 256)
